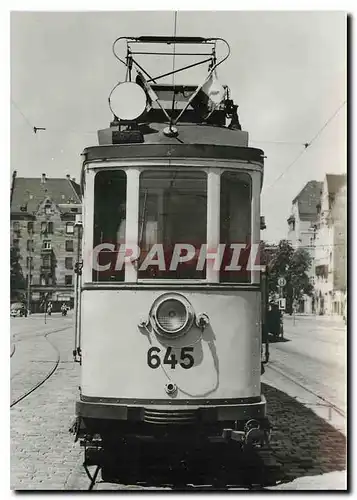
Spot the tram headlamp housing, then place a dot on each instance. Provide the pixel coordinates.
(171, 315)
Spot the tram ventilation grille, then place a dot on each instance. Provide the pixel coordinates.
(165, 417)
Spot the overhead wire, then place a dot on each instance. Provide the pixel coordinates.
(52, 129)
(308, 144)
(289, 143)
(22, 114)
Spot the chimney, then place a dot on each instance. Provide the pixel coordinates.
(43, 179)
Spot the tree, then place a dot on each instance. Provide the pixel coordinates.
(17, 280)
(283, 261)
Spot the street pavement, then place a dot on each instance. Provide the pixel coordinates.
(313, 352)
(309, 445)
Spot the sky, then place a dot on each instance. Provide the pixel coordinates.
(286, 71)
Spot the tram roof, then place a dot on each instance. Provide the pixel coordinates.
(192, 141)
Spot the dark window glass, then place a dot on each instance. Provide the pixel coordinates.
(109, 222)
(68, 280)
(30, 227)
(29, 262)
(50, 227)
(69, 263)
(16, 226)
(235, 225)
(69, 246)
(46, 261)
(172, 211)
(30, 245)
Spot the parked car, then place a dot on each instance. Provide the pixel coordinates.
(18, 309)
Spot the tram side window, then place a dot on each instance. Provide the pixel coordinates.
(235, 225)
(109, 223)
(172, 211)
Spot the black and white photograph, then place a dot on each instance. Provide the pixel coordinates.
(178, 250)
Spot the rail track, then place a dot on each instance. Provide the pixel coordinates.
(325, 402)
(48, 374)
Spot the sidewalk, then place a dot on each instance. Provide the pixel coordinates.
(329, 319)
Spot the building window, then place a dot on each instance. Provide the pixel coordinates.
(68, 280)
(15, 243)
(30, 227)
(48, 210)
(16, 226)
(69, 263)
(46, 245)
(47, 227)
(69, 228)
(69, 246)
(30, 245)
(46, 261)
(29, 263)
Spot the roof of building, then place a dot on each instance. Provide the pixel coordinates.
(30, 192)
(335, 182)
(307, 200)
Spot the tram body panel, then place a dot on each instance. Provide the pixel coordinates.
(115, 350)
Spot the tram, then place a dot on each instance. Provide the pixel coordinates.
(169, 299)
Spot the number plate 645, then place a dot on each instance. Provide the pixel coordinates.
(186, 359)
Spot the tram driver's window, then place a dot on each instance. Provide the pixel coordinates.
(235, 225)
(109, 222)
(172, 211)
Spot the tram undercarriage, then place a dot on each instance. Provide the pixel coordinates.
(119, 449)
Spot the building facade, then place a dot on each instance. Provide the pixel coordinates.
(302, 229)
(331, 247)
(45, 236)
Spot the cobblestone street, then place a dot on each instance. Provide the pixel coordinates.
(307, 440)
(312, 353)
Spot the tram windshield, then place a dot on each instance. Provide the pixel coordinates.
(172, 223)
(109, 222)
(235, 226)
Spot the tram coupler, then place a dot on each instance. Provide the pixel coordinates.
(254, 435)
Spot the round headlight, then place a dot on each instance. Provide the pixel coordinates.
(172, 315)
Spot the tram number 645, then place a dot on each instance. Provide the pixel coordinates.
(186, 359)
